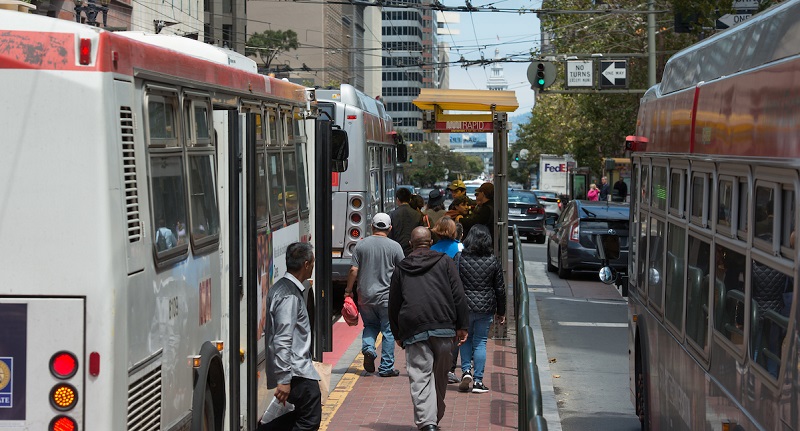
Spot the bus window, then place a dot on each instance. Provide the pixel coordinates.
(169, 211)
(272, 125)
(161, 120)
(302, 187)
(724, 205)
(655, 275)
(697, 281)
(275, 176)
(388, 187)
(287, 127)
(676, 191)
(787, 221)
(770, 319)
(729, 301)
(698, 199)
(374, 191)
(203, 193)
(673, 280)
(262, 210)
(290, 177)
(259, 127)
(659, 184)
(741, 220)
(764, 214)
(645, 184)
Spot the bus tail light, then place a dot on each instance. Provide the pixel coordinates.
(85, 52)
(355, 233)
(356, 203)
(575, 233)
(94, 364)
(63, 365)
(63, 423)
(63, 396)
(355, 218)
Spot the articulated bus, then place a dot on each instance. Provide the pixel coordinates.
(367, 186)
(149, 187)
(714, 264)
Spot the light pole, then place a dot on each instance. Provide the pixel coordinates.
(91, 9)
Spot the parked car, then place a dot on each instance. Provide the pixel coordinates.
(551, 201)
(571, 246)
(527, 214)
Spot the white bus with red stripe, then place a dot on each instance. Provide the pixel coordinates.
(149, 186)
(367, 186)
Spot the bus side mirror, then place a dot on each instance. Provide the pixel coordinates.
(340, 150)
(402, 153)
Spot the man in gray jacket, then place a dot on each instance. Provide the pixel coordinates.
(290, 369)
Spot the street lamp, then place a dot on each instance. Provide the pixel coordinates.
(91, 9)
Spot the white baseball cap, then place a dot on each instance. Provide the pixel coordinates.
(382, 221)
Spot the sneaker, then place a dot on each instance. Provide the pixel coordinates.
(369, 362)
(466, 382)
(451, 377)
(391, 373)
(479, 388)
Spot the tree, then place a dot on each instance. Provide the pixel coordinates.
(266, 46)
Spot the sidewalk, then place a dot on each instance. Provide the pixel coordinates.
(364, 401)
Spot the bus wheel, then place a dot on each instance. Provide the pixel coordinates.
(642, 395)
(208, 413)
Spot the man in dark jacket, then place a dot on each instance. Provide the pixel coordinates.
(484, 212)
(427, 311)
(404, 220)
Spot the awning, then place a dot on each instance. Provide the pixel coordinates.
(466, 100)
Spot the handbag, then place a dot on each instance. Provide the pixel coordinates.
(350, 311)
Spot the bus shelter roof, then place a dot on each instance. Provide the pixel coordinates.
(466, 100)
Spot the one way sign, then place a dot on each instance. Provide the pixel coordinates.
(613, 74)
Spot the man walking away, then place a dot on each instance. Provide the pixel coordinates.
(378, 255)
(288, 343)
(404, 220)
(604, 189)
(427, 310)
(620, 191)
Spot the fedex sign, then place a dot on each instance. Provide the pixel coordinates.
(555, 168)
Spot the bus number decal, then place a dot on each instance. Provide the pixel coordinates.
(173, 307)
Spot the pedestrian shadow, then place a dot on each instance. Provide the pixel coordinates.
(503, 383)
(504, 359)
(383, 426)
(499, 413)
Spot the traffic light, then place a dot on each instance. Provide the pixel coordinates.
(541, 74)
(410, 158)
(516, 157)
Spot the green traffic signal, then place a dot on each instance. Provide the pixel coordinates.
(540, 82)
(411, 159)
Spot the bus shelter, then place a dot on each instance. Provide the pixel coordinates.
(487, 112)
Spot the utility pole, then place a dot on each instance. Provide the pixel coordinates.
(651, 44)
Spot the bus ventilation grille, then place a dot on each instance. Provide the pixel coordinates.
(129, 174)
(144, 402)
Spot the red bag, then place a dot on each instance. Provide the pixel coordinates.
(350, 311)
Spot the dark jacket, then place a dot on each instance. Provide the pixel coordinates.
(482, 214)
(604, 189)
(404, 220)
(482, 277)
(426, 294)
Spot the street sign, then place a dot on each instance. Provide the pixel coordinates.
(580, 73)
(463, 126)
(613, 74)
(731, 19)
(515, 164)
(745, 4)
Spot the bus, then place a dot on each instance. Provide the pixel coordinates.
(713, 271)
(367, 186)
(149, 187)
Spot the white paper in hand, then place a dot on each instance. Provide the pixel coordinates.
(276, 409)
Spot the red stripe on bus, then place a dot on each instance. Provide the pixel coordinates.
(694, 118)
(335, 179)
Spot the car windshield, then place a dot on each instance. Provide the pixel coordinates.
(521, 197)
(541, 194)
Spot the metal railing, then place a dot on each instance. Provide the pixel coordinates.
(530, 390)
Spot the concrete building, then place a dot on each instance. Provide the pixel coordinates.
(497, 81)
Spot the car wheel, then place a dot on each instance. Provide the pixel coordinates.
(562, 272)
(550, 266)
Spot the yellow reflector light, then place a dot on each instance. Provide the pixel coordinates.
(196, 361)
(219, 344)
(63, 397)
(356, 203)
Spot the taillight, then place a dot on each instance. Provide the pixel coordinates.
(355, 233)
(356, 203)
(559, 204)
(85, 52)
(575, 233)
(63, 365)
(63, 423)
(63, 396)
(535, 210)
(355, 218)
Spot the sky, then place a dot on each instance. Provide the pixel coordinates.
(481, 33)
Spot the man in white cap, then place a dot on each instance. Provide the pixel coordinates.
(378, 255)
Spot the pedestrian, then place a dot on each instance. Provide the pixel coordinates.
(458, 208)
(288, 345)
(482, 276)
(445, 230)
(483, 212)
(378, 255)
(427, 311)
(404, 220)
(418, 203)
(604, 189)
(620, 191)
(593, 194)
(435, 208)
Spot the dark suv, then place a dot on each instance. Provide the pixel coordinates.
(571, 247)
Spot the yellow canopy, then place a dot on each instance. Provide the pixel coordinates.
(466, 100)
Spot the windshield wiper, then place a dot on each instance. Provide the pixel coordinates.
(589, 213)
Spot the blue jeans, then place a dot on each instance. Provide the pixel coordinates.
(376, 320)
(475, 346)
